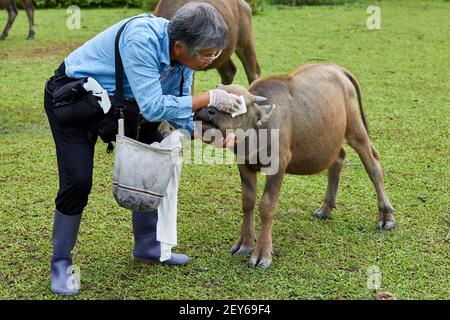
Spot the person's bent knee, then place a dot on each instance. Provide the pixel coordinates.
(74, 198)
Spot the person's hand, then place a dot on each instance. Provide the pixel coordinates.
(223, 101)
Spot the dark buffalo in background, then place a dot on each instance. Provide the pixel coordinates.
(238, 16)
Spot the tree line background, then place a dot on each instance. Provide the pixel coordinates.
(257, 5)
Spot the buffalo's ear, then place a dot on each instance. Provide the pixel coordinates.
(265, 113)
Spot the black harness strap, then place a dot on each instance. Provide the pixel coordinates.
(118, 95)
(181, 83)
(118, 98)
(118, 101)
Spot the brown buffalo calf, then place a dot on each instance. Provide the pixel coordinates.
(313, 112)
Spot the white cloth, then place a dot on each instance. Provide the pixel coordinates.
(97, 90)
(242, 107)
(166, 228)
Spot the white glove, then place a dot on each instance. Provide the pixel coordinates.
(223, 101)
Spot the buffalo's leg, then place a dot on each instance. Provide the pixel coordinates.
(227, 72)
(12, 14)
(371, 160)
(246, 50)
(262, 255)
(334, 174)
(247, 55)
(245, 242)
(29, 8)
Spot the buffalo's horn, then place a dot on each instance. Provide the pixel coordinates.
(260, 99)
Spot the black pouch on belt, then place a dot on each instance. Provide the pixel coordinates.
(127, 110)
(71, 103)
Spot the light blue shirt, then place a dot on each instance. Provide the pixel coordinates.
(149, 77)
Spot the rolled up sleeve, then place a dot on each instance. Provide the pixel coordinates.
(140, 63)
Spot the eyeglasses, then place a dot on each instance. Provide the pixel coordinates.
(208, 58)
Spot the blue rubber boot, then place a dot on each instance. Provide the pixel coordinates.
(65, 230)
(146, 248)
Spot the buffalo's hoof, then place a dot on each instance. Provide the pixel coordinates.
(30, 37)
(320, 214)
(386, 226)
(2, 37)
(256, 262)
(241, 250)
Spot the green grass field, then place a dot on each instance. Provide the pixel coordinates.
(404, 73)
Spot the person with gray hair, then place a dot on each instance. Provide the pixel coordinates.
(157, 58)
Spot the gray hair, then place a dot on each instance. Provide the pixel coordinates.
(198, 26)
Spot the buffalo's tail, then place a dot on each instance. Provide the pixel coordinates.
(358, 92)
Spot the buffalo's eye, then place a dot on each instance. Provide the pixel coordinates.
(212, 112)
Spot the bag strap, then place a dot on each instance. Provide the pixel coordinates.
(181, 84)
(118, 99)
(118, 95)
(121, 130)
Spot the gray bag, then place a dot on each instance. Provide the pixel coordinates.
(142, 172)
